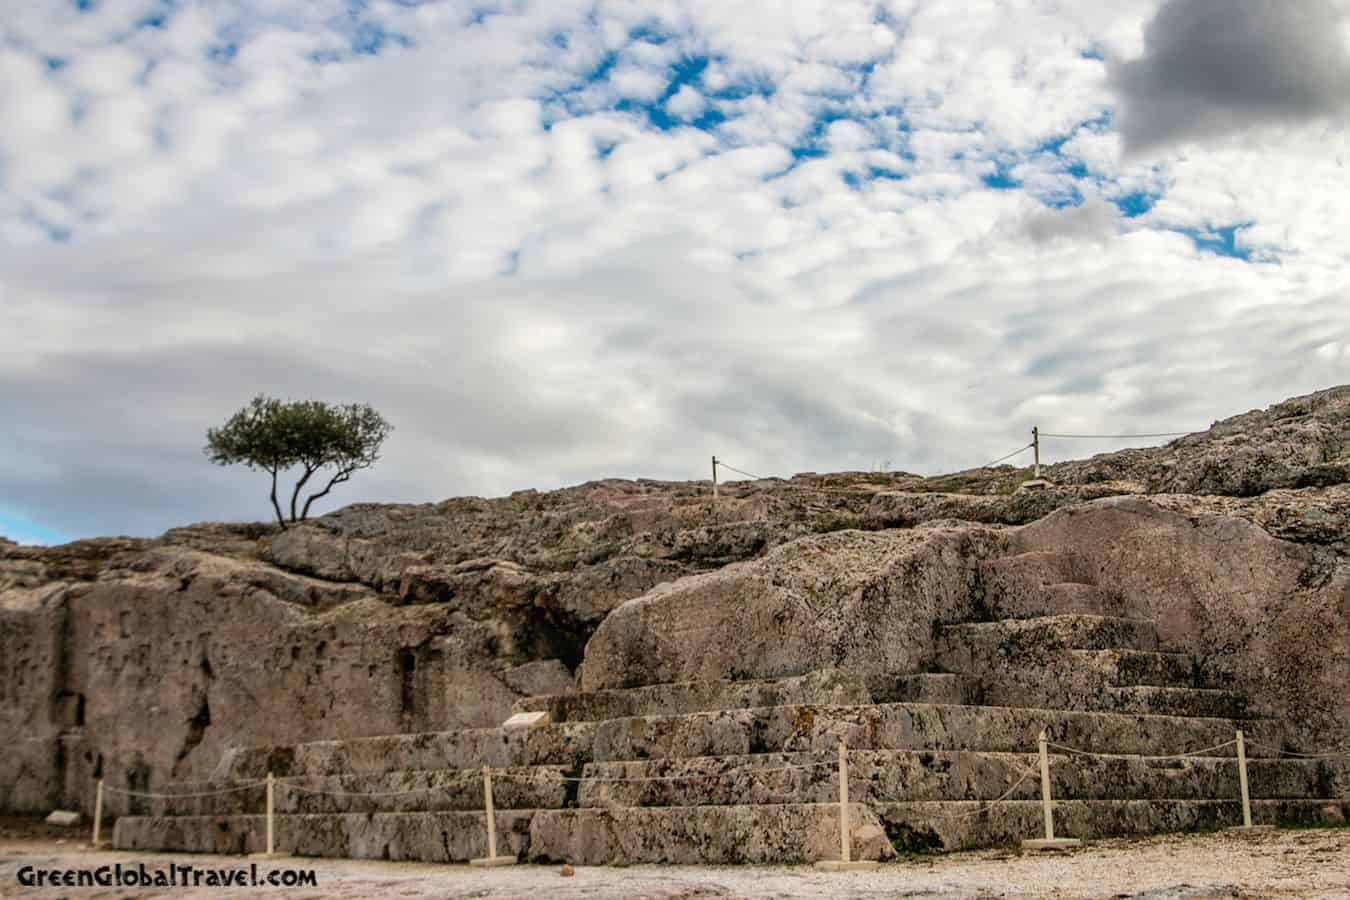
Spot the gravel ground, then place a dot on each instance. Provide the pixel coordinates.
(1311, 863)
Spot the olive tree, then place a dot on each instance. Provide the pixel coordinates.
(308, 435)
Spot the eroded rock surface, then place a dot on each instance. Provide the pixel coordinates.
(149, 660)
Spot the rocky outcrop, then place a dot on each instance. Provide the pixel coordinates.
(1240, 601)
(146, 661)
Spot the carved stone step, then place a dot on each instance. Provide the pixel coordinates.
(674, 835)
(901, 726)
(1023, 641)
(695, 834)
(928, 687)
(823, 687)
(772, 778)
(1135, 667)
(890, 776)
(936, 826)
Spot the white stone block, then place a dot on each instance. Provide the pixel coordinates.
(527, 720)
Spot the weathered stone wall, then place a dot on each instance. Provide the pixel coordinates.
(32, 707)
(856, 601)
(1267, 617)
(1263, 616)
(150, 679)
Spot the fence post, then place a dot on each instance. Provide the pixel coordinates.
(844, 849)
(1036, 450)
(1246, 826)
(714, 477)
(1242, 780)
(845, 863)
(271, 849)
(1049, 842)
(492, 859)
(98, 812)
(1046, 809)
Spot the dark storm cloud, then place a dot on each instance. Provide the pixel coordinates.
(1213, 67)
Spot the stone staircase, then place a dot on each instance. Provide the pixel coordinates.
(726, 772)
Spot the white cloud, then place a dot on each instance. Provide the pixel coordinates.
(539, 286)
(686, 103)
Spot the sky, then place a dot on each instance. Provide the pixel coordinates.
(558, 240)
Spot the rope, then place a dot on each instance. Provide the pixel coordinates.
(1333, 755)
(739, 472)
(745, 770)
(1009, 456)
(230, 790)
(1119, 436)
(305, 790)
(988, 804)
(1076, 751)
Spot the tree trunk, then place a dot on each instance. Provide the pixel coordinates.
(295, 494)
(341, 476)
(281, 520)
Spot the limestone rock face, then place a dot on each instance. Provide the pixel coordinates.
(147, 660)
(1263, 616)
(851, 600)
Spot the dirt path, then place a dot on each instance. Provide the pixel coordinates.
(1313, 863)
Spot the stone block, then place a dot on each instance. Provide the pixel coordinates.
(526, 720)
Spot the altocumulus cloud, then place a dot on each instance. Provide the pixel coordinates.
(562, 240)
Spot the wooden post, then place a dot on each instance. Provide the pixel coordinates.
(1049, 842)
(1242, 780)
(271, 848)
(98, 811)
(714, 477)
(491, 813)
(1046, 810)
(845, 863)
(844, 848)
(492, 859)
(1036, 451)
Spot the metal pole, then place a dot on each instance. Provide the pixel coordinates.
(1242, 780)
(98, 811)
(270, 807)
(491, 817)
(1045, 790)
(1036, 447)
(714, 477)
(844, 848)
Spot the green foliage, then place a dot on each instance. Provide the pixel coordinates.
(274, 436)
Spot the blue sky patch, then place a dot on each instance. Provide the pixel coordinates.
(1136, 204)
(26, 531)
(1219, 241)
(1001, 178)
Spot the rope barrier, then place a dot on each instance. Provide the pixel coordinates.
(988, 804)
(304, 790)
(154, 796)
(990, 465)
(1202, 752)
(1119, 437)
(746, 770)
(1338, 754)
(499, 774)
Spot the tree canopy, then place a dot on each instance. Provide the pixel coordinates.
(310, 435)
